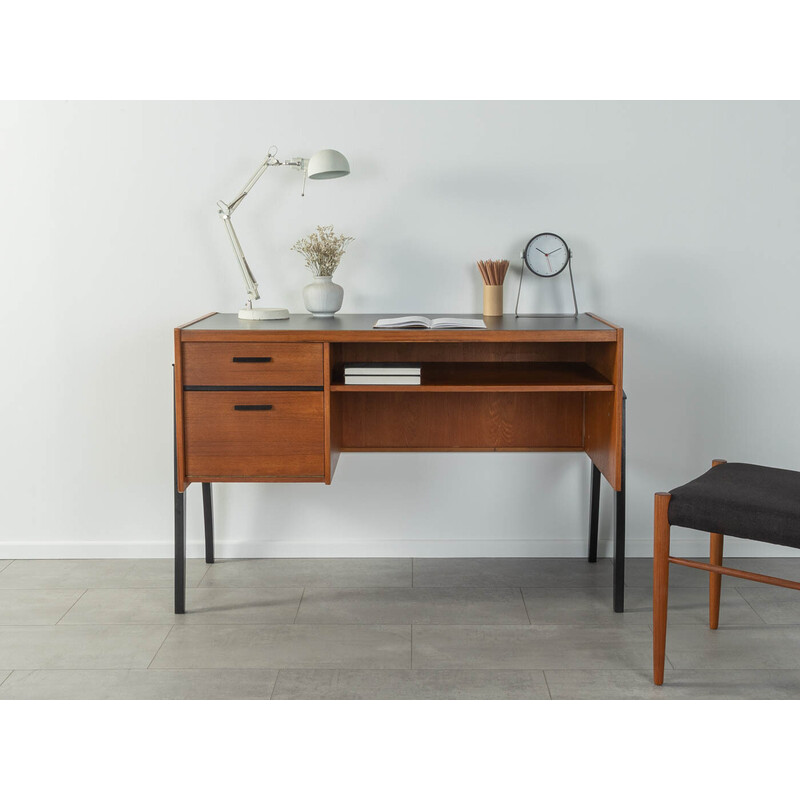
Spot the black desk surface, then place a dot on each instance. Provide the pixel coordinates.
(365, 322)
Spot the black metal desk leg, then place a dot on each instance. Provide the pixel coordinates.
(180, 524)
(619, 528)
(180, 552)
(594, 513)
(208, 517)
(619, 550)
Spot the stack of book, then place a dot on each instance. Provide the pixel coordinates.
(397, 374)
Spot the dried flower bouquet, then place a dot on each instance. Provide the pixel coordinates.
(322, 250)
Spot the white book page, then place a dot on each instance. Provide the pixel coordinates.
(403, 322)
(381, 369)
(393, 380)
(455, 322)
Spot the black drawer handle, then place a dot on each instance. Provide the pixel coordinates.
(251, 359)
(252, 408)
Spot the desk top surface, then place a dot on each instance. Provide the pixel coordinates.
(364, 322)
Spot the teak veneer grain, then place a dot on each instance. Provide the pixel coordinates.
(461, 421)
(252, 364)
(460, 352)
(521, 384)
(177, 389)
(603, 416)
(247, 434)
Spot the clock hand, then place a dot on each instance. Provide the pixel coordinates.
(551, 252)
(547, 256)
(542, 252)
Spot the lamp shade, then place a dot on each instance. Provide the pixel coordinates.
(327, 164)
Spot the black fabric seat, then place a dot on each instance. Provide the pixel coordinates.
(742, 500)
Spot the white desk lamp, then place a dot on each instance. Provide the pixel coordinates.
(323, 165)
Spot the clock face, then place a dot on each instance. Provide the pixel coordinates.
(546, 255)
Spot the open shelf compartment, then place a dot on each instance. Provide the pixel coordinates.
(472, 376)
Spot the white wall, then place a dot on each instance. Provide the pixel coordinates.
(683, 218)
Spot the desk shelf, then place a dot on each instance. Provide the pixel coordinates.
(496, 377)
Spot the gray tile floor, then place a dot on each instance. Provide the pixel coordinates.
(512, 628)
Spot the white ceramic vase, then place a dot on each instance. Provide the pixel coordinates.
(323, 297)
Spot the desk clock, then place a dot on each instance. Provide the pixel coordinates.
(546, 255)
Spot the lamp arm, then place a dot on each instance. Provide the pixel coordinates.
(249, 278)
(232, 206)
(226, 211)
(269, 161)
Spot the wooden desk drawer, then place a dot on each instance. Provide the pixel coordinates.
(251, 364)
(250, 435)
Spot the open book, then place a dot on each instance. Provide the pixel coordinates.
(424, 322)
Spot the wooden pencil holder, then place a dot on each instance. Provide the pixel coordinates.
(493, 301)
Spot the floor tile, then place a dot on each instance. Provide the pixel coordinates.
(679, 684)
(531, 647)
(139, 684)
(98, 573)
(280, 646)
(408, 684)
(325, 572)
(733, 647)
(79, 646)
(639, 571)
(495, 572)
(774, 604)
(581, 606)
(413, 606)
(35, 606)
(203, 606)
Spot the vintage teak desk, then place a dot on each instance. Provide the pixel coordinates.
(266, 401)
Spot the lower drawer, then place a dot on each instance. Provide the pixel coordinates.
(254, 435)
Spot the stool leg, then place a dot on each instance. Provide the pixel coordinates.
(714, 581)
(660, 583)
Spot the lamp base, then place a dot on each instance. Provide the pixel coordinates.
(264, 313)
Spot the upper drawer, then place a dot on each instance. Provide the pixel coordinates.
(251, 364)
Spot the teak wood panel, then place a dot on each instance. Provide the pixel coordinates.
(334, 367)
(213, 364)
(285, 441)
(177, 389)
(457, 352)
(195, 321)
(517, 376)
(469, 421)
(603, 440)
(333, 421)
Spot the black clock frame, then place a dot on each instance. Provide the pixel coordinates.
(530, 242)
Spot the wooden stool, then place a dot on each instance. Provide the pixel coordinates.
(742, 500)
